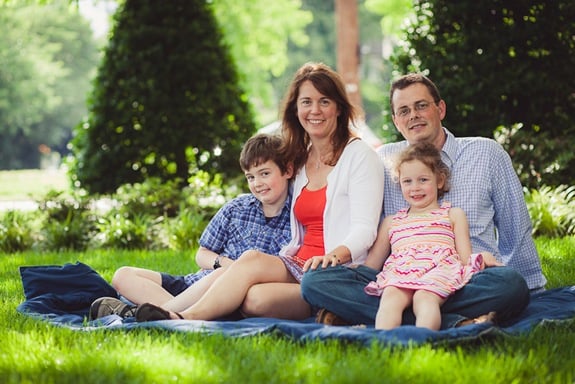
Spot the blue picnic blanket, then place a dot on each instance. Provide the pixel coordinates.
(62, 296)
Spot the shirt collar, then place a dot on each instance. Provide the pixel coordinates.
(287, 204)
(449, 150)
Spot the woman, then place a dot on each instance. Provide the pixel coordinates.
(336, 207)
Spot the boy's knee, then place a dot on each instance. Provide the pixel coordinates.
(251, 254)
(121, 276)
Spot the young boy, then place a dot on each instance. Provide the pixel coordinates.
(259, 220)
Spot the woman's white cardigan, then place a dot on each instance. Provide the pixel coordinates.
(354, 199)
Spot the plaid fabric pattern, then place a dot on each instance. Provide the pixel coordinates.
(485, 185)
(240, 225)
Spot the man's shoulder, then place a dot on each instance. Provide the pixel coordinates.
(478, 143)
(476, 140)
(390, 149)
(459, 144)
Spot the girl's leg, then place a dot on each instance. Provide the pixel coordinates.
(140, 285)
(228, 292)
(278, 300)
(391, 305)
(426, 307)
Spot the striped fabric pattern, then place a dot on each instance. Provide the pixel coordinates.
(423, 255)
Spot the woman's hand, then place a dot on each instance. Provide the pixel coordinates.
(325, 261)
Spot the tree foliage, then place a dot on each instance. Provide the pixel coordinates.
(47, 54)
(394, 13)
(257, 33)
(322, 45)
(166, 100)
(504, 68)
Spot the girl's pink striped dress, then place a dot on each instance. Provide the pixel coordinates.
(423, 255)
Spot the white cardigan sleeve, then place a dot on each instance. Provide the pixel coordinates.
(354, 201)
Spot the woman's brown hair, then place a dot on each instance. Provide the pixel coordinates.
(329, 84)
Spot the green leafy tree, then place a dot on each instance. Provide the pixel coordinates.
(321, 32)
(503, 67)
(394, 14)
(258, 32)
(77, 53)
(166, 100)
(47, 55)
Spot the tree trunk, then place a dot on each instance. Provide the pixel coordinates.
(346, 21)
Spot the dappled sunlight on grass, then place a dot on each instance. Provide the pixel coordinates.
(557, 258)
(34, 351)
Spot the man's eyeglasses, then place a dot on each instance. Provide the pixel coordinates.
(420, 106)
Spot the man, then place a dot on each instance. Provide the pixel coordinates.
(484, 184)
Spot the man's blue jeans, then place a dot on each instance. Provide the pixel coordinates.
(340, 290)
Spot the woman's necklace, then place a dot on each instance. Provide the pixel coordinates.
(318, 162)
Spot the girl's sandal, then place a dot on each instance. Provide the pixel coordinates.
(151, 312)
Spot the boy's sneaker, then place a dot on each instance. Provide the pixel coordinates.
(105, 306)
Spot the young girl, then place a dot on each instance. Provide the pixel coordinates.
(430, 247)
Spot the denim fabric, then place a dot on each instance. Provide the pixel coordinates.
(341, 290)
(499, 289)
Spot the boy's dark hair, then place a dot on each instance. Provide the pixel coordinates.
(429, 155)
(261, 148)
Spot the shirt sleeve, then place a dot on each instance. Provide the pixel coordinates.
(365, 188)
(215, 234)
(512, 220)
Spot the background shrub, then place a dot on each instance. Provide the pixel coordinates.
(552, 210)
(152, 197)
(121, 232)
(155, 216)
(15, 232)
(67, 222)
(184, 231)
(504, 66)
(151, 215)
(166, 101)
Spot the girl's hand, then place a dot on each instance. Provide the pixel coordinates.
(490, 261)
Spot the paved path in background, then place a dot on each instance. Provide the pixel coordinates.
(101, 205)
(18, 205)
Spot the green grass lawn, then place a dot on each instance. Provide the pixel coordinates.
(35, 352)
(31, 184)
